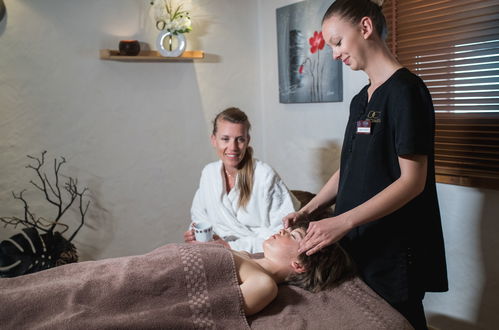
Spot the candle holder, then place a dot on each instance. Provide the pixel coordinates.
(129, 47)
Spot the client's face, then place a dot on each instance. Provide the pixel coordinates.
(230, 141)
(284, 245)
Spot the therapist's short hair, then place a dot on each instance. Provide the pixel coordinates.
(325, 269)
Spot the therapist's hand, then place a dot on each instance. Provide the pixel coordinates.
(292, 218)
(323, 233)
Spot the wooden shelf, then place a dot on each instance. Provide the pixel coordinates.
(149, 55)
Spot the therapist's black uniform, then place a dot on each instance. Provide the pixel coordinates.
(400, 256)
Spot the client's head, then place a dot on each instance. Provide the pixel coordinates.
(324, 269)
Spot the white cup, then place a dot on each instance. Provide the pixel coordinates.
(203, 231)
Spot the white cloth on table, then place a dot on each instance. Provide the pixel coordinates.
(243, 228)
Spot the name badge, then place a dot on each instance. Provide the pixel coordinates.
(364, 127)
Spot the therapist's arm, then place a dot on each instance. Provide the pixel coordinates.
(410, 184)
(325, 197)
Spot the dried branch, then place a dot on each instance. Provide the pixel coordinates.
(29, 218)
(53, 192)
(43, 178)
(83, 212)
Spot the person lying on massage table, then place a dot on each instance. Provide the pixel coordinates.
(281, 262)
(109, 289)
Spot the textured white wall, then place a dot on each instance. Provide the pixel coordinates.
(470, 223)
(135, 133)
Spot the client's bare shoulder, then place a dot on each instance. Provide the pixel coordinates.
(258, 287)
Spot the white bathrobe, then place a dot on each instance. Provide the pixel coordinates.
(243, 229)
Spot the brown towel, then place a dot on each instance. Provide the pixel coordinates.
(352, 305)
(177, 286)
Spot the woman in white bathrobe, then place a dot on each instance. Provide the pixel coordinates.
(243, 198)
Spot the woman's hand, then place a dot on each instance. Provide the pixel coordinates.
(292, 218)
(323, 233)
(189, 236)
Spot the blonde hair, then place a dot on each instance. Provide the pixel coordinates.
(245, 168)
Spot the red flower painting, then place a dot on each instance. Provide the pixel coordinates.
(308, 72)
(311, 65)
(316, 42)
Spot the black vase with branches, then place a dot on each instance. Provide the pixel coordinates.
(39, 245)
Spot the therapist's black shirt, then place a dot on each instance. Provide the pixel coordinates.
(404, 251)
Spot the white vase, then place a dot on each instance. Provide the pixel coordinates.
(165, 41)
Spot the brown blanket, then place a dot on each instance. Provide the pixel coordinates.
(177, 286)
(352, 305)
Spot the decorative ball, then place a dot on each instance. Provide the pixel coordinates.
(129, 47)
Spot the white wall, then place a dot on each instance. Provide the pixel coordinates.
(136, 133)
(470, 223)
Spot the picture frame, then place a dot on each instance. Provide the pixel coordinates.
(2, 10)
(307, 71)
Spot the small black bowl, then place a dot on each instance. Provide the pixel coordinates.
(129, 47)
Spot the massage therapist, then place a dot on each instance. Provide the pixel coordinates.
(243, 198)
(386, 212)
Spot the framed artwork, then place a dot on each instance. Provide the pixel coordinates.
(2, 10)
(307, 71)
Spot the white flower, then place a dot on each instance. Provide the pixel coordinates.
(169, 17)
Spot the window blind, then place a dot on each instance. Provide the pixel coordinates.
(453, 45)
